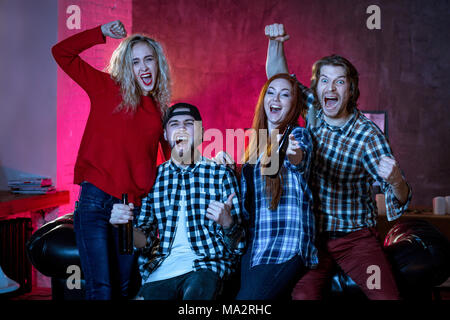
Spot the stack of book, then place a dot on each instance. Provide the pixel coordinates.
(31, 185)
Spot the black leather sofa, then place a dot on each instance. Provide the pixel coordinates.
(418, 252)
(420, 257)
(52, 250)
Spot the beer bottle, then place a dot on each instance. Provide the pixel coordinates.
(282, 148)
(126, 233)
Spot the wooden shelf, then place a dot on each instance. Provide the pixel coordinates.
(11, 203)
(441, 222)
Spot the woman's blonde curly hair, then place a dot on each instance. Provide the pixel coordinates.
(121, 70)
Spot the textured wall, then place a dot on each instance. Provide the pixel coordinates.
(217, 53)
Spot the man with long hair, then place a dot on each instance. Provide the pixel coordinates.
(350, 154)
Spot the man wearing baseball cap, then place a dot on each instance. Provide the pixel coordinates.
(183, 142)
(189, 229)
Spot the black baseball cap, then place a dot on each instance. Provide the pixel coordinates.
(173, 111)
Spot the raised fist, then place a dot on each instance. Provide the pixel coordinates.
(276, 32)
(114, 29)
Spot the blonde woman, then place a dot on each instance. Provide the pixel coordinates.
(118, 151)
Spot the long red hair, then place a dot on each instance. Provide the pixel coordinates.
(256, 147)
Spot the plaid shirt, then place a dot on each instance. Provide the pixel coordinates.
(203, 182)
(344, 170)
(289, 230)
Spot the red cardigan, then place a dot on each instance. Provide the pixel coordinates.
(118, 151)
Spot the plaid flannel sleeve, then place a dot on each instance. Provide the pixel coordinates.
(377, 147)
(307, 94)
(304, 139)
(146, 221)
(234, 237)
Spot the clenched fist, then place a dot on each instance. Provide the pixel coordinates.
(389, 171)
(114, 29)
(276, 32)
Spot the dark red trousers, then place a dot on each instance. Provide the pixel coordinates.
(360, 255)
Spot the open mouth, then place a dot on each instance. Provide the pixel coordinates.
(147, 78)
(275, 109)
(330, 101)
(181, 139)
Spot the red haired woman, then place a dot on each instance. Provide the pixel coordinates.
(278, 208)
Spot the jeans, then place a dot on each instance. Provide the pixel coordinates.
(197, 285)
(106, 272)
(269, 281)
(354, 253)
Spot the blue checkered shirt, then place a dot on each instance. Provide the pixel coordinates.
(289, 230)
(344, 170)
(203, 182)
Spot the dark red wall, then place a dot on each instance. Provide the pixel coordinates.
(217, 52)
